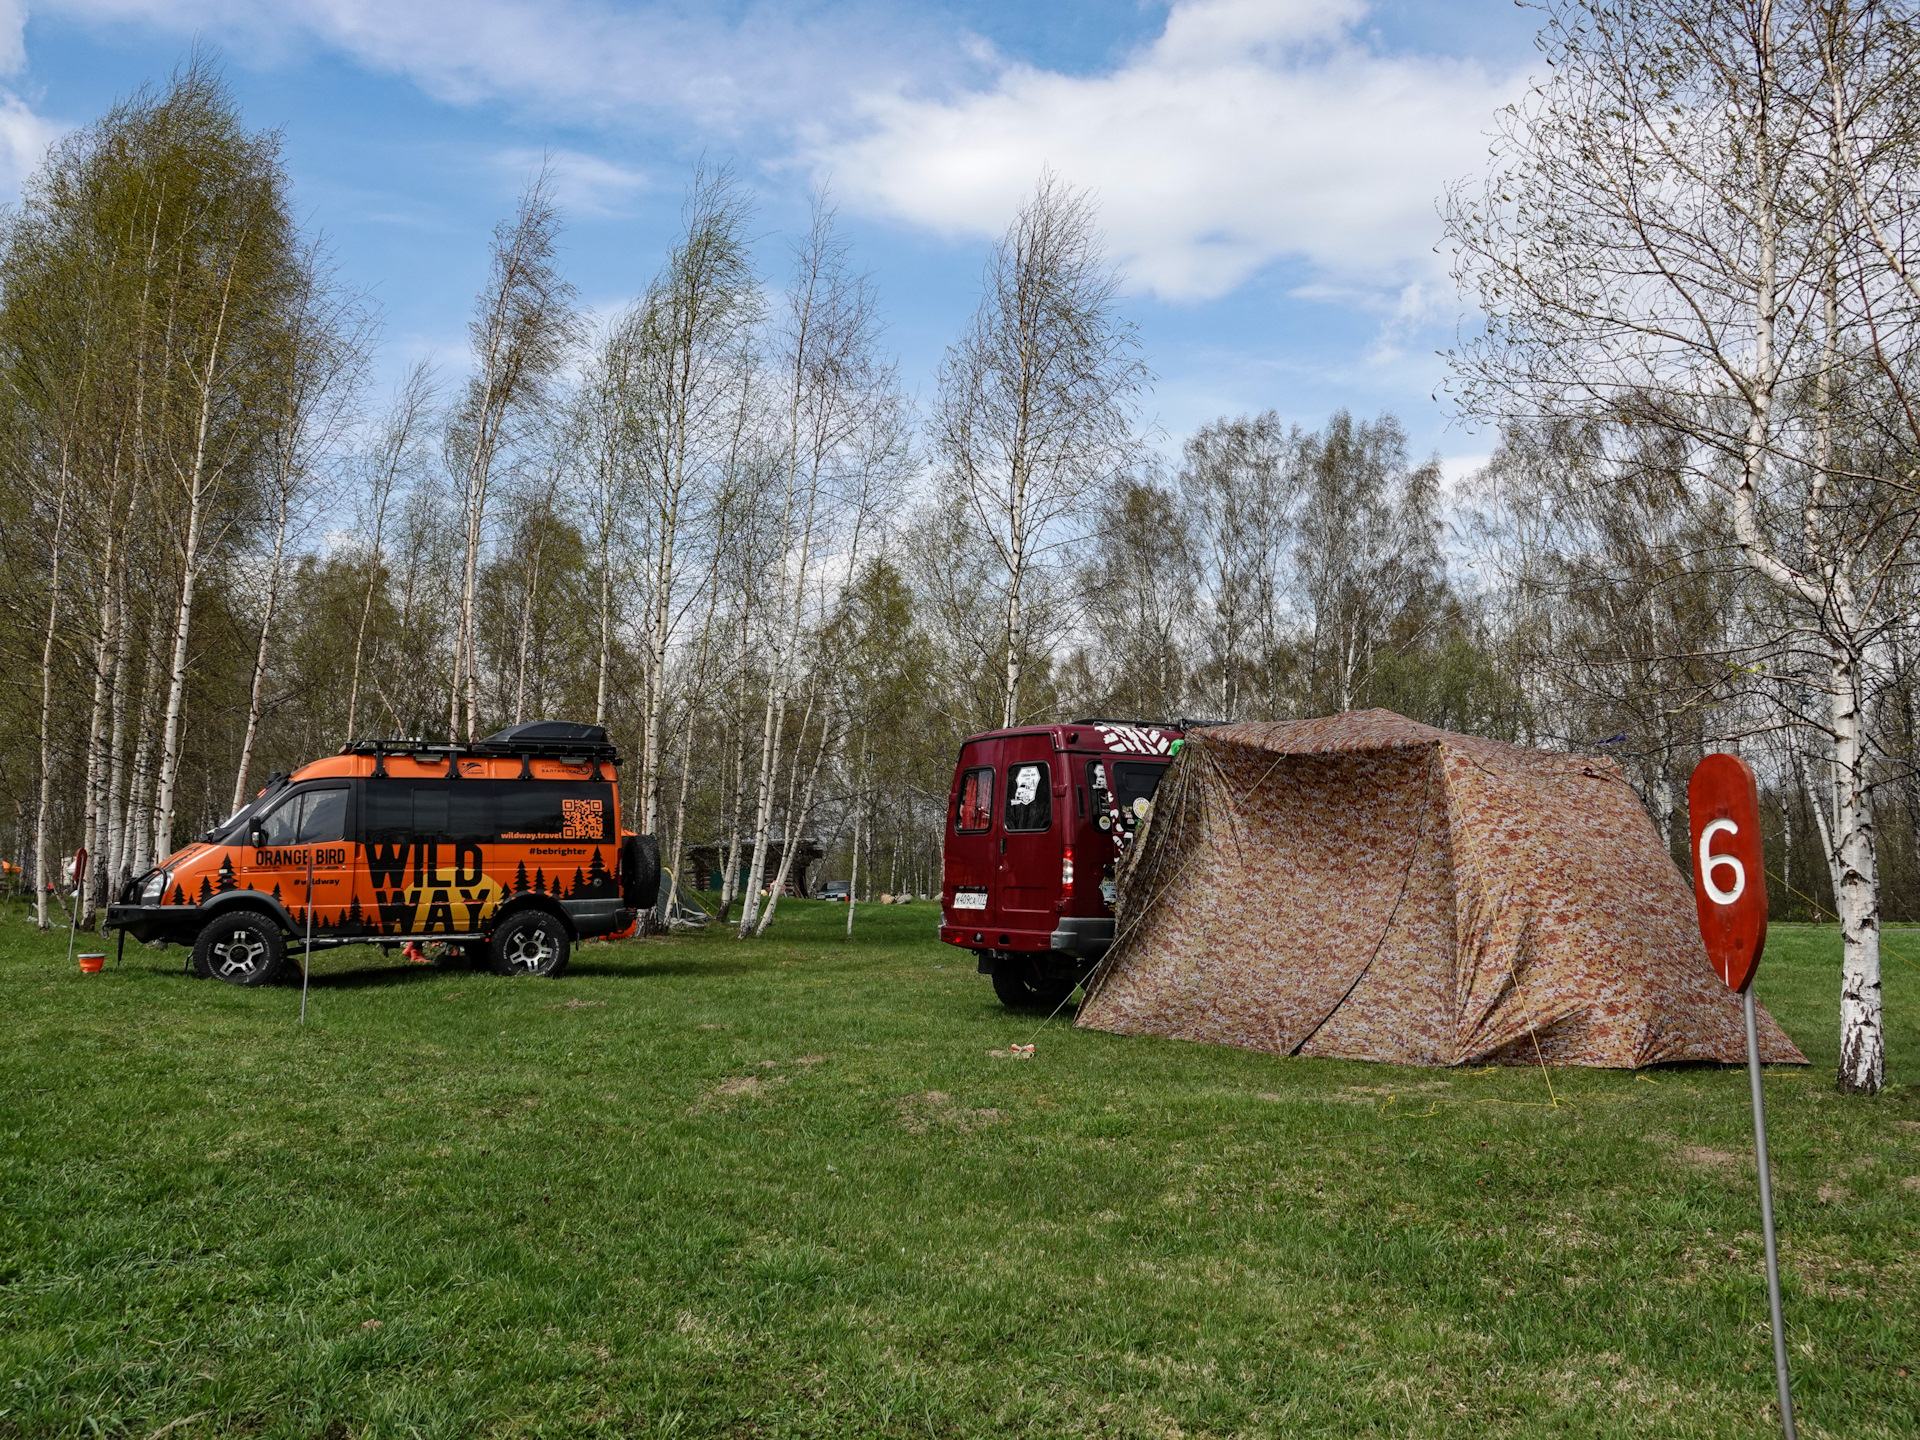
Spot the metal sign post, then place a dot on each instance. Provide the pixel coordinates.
(79, 889)
(1730, 894)
(306, 967)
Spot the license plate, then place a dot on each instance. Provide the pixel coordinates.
(969, 899)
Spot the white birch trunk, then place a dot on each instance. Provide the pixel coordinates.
(366, 609)
(730, 878)
(140, 790)
(772, 724)
(260, 653)
(44, 807)
(680, 817)
(1856, 893)
(796, 824)
(606, 622)
(198, 484)
(93, 823)
(1016, 582)
(115, 866)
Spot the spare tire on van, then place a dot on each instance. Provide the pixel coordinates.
(640, 872)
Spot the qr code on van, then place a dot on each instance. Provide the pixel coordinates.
(583, 819)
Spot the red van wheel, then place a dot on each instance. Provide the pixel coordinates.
(1023, 984)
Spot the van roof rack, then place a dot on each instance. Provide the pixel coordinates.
(544, 739)
(1184, 723)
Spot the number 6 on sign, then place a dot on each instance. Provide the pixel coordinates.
(1710, 862)
(1724, 814)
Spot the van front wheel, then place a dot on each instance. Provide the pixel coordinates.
(1021, 984)
(531, 943)
(242, 947)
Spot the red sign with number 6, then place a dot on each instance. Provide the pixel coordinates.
(1729, 876)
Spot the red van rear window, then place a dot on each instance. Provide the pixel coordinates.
(976, 801)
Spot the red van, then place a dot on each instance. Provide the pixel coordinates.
(1036, 819)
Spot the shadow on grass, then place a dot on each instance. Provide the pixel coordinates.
(363, 977)
(651, 969)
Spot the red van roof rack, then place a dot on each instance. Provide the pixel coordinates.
(1184, 723)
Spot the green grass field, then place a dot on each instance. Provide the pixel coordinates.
(703, 1188)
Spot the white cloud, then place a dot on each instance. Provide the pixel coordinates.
(583, 184)
(24, 138)
(24, 135)
(1245, 133)
(1248, 131)
(13, 36)
(585, 59)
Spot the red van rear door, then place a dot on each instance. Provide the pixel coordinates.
(1032, 820)
(971, 836)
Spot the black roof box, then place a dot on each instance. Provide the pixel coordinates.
(546, 735)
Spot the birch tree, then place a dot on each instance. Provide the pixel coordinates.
(841, 448)
(522, 332)
(202, 232)
(395, 455)
(326, 338)
(1035, 403)
(684, 355)
(1682, 232)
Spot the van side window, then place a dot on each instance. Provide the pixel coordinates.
(1133, 780)
(976, 801)
(324, 817)
(1029, 800)
(307, 818)
(282, 823)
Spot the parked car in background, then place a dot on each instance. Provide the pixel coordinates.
(503, 852)
(835, 890)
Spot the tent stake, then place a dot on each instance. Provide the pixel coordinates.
(1766, 1219)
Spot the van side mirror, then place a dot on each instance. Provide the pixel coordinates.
(256, 836)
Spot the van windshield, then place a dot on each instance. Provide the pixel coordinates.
(235, 825)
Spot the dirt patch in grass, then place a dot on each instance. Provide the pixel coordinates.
(734, 1089)
(1703, 1157)
(919, 1114)
(577, 1004)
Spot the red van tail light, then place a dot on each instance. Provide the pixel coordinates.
(1066, 871)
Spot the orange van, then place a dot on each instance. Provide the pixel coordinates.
(502, 852)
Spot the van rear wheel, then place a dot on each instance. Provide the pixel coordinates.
(530, 943)
(1023, 984)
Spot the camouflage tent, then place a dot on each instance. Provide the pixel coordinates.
(1368, 887)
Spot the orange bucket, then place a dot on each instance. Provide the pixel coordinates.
(90, 964)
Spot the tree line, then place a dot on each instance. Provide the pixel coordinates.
(715, 522)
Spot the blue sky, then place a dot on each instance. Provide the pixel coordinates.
(1267, 170)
